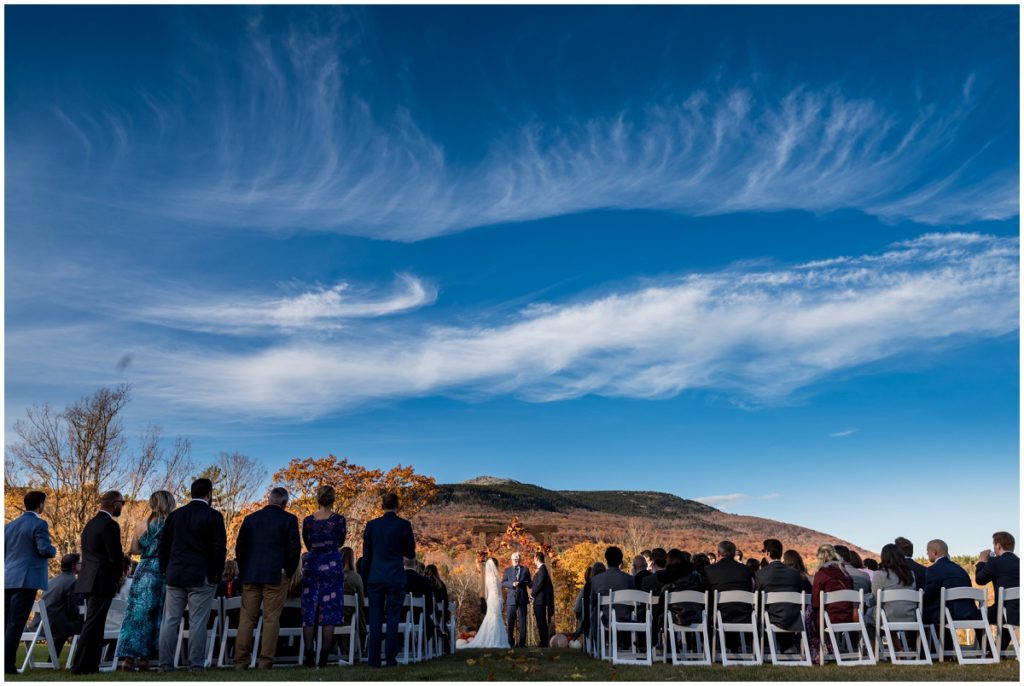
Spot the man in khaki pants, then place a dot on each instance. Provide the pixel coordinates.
(267, 553)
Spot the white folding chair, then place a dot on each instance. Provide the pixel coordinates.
(863, 654)
(886, 631)
(406, 629)
(32, 636)
(1007, 595)
(212, 628)
(290, 633)
(351, 629)
(453, 625)
(111, 637)
(966, 655)
(680, 651)
(74, 641)
(743, 657)
(604, 601)
(801, 659)
(636, 604)
(228, 607)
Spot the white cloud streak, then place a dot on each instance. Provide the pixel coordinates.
(292, 145)
(843, 434)
(755, 336)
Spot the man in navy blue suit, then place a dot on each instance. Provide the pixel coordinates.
(516, 581)
(944, 573)
(1002, 570)
(387, 542)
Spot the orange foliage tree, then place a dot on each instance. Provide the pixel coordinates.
(568, 578)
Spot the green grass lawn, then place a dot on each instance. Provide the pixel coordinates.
(561, 665)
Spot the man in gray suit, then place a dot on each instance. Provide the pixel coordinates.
(777, 577)
(612, 579)
(62, 603)
(27, 547)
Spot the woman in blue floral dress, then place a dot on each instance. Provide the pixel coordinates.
(140, 631)
(323, 577)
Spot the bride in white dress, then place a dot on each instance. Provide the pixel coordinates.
(492, 632)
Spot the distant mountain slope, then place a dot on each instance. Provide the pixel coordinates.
(615, 516)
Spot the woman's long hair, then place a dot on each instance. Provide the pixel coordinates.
(161, 504)
(348, 559)
(792, 558)
(894, 561)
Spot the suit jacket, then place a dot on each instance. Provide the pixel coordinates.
(638, 579)
(193, 546)
(27, 547)
(62, 605)
(944, 573)
(919, 571)
(268, 547)
(102, 558)
(777, 577)
(518, 595)
(1001, 572)
(729, 575)
(386, 541)
(610, 580)
(542, 590)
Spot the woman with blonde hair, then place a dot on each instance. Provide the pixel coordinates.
(140, 630)
(831, 577)
(323, 576)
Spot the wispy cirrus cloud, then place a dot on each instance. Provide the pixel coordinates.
(843, 434)
(333, 163)
(752, 335)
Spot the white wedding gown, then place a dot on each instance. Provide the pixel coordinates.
(492, 632)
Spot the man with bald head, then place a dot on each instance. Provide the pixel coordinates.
(944, 573)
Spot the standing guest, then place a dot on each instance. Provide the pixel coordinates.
(440, 597)
(919, 570)
(1001, 568)
(102, 570)
(27, 548)
(62, 603)
(323, 576)
(640, 570)
(228, 587)
(542, 592)
(777, 577)
(728, 574)
(893, 573)
(354, 586)
(140, 630)
(192, 549)
(387, 541)
(792, 558)
(515, 581)
(267, 552)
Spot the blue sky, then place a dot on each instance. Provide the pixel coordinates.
(766, 257)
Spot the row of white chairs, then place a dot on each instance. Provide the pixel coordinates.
(222, 631)
(629, 613)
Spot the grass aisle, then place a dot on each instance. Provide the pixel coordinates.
(562, 665)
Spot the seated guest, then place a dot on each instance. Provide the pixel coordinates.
(582, 607)
(354, 586)
(680, 575)
(776, 577)
(944, 573)
(653, 582)
(418, 586)
(907, 548)
(893, 573)
(441, 598)
(639, 571)
(792, 558)
(228, 586)
(62, 603)
(831, 576)
(870, 565)
(612, 579)
(701, 561)
(728, 574)
(1002, 570)
(861, 581)
(753, 565)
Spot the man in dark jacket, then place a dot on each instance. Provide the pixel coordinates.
(1002, 570)
(542, 592)
(729, 575)
(387, 542)
(62, 602)
(777, 577)
(944, 573)
(101, 571)
(192, 550)
(267, 553)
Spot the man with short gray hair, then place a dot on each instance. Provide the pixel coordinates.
(267, 553)
(944, 573)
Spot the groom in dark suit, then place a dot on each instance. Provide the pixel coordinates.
(516, 581)
(543, 593)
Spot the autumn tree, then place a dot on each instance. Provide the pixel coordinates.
(358, 489)
(237, 481)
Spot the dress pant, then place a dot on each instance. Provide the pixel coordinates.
(541, 615)
(17, 608)
(90, 642)
(517, 612)
(385, 602)
(198, 599)
(993, 619)
(272, 596)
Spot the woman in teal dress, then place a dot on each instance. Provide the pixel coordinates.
(140, 631)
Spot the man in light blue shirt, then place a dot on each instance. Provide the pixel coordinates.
(27, 547)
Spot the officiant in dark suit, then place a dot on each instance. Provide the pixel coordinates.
(543, 593)
(516, 581)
